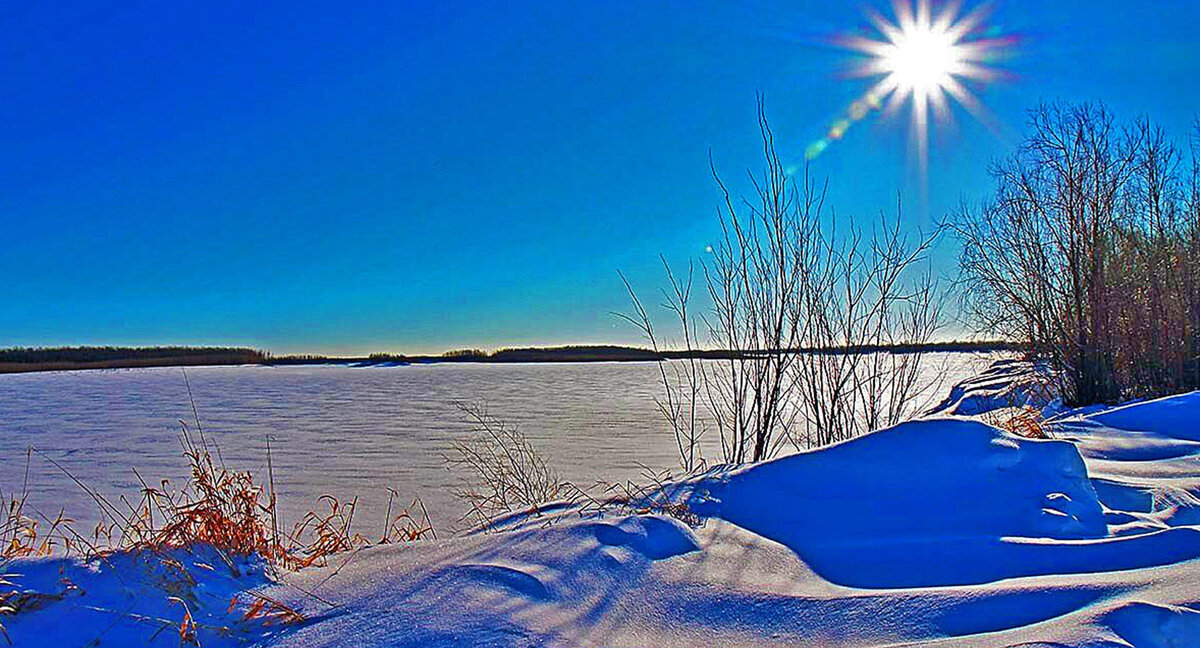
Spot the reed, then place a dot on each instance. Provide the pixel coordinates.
(228, 511)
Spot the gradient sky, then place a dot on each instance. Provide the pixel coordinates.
(347, 177)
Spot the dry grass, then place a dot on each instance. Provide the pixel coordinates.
(1019, 416)
(217, 507)
(501, 470)
(1022, 421)
(22, 537)
(406, 526)
(267, 611)
(225, 510)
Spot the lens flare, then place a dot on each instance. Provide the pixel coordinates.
(925, 60)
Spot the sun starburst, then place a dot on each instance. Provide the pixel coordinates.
(924, 59)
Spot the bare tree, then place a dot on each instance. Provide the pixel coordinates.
(802, 312)
(1086, 253)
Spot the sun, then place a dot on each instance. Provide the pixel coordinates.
(924, 60)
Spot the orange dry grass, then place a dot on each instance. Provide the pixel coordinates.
(20, 538)
(1023, 421)
(267, 610)
(229, 511)
(20, 534)
(218, 507)
(327, 534)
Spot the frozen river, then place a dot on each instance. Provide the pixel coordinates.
(335, 430)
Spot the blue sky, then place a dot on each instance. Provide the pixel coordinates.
(348, 177)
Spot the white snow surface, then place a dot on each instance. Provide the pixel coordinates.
(938, 532)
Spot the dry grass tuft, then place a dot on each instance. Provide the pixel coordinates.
(187, 627)
(406, 526)
(501, 470)
(217, 507)
(318, 536)
(1023, 421)
(267, 611)
(223, 509)
(22, 536)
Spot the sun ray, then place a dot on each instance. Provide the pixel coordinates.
(923, 56)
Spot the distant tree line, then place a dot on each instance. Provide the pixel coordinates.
(1089, 253)
(107, 353)
(466, 353)
(22, 359)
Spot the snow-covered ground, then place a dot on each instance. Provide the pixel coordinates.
(938, 532)
(390, 426)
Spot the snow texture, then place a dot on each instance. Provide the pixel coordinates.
(938, 532)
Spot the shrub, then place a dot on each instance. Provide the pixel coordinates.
(1088, 252)
(799, 300)
(501, 470)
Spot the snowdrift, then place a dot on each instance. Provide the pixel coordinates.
(1176, 417)
(936, 502)
(937, 532)
(925, 503)
(1006, 383)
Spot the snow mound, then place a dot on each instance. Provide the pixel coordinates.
(1147, 625)
(1006, 383)
(655, 538)
(935, 502)
(1174, 416)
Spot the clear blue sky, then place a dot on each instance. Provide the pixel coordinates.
(348, 177)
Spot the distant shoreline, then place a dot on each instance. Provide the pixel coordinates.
(27, 360)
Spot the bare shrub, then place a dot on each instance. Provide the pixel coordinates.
(501, 470)
(864, 297)
(756, 280)
(1087, 252)
(805, 313)
(682, 382)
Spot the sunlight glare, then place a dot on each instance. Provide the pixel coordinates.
(924, 59)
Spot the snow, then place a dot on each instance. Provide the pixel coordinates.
(1007, 382)
(391, 426)
(943, 532)
(1175, 417)
(133, 599)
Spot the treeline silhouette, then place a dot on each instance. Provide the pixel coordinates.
(614, 353)
(23, 359)
(27, 359)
